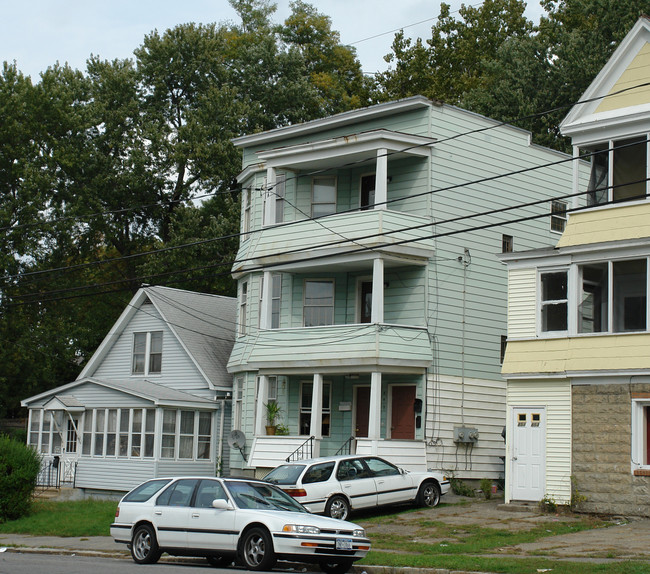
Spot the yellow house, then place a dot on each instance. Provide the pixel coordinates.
(578, 357)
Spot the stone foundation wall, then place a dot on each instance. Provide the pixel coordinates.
(601, 446)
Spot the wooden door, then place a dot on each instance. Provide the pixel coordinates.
(361, 411)
(402, 424)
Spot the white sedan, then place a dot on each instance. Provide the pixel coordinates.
(226, 520)
(336, 485)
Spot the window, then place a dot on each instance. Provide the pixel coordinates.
(147, 353)
(641, 433)
(318, 473)
(554, 301)
(280, 186)
(243, 299)
(323, 200)
(630, 289)
(306, 392)
(186, 434)
(507, 244)
(272, 389)
(592, 307)
(34, 427)
(319, 303)
(619, 174)
(276, 300)
(246, 210)
(558, 215)
(111, 431)
(238, 394)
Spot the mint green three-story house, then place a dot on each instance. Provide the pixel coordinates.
(371, 302)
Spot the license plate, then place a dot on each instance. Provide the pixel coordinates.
(343, 544)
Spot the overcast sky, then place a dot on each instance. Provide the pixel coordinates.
(38, 33)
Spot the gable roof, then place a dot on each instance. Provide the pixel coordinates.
(620, 93)
(158, 395)
(203, 324)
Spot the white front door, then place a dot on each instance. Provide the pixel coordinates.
(527, 464)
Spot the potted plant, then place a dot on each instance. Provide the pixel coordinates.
(273, 411)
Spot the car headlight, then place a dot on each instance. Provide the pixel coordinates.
(301, 529)
(360, 532)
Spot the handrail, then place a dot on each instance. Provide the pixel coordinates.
(304, 451)
(346, 447)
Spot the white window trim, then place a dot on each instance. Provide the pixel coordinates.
(638, 434)
(243, 309)
(539, 304)
(560, 216)
(147, 353)
(307, 410)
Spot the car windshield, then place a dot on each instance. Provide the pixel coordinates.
(285, 474)
(262, 496)
(145, 491)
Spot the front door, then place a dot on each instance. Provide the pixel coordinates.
(361, 411)
(402, 424)
(527, 462)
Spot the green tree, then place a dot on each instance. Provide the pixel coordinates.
(451, 65)
(19, 467)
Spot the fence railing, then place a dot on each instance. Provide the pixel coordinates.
(55, 472)
(347, 446)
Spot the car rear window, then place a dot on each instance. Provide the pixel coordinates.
(285, 474)
(146, 490)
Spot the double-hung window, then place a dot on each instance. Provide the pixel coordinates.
(554, 302)
(558, 215)
(323, 201)
(243, 302)
(147, 353)
(319, 302)
(306, 394)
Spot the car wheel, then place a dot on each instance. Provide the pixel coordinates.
(219, 561)
(338, 507)
(340, 567)
(429, 494)
(144, 546)
(256, 550)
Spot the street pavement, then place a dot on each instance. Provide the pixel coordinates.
(626, 538)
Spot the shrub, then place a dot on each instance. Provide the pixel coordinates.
(460, 488)
(486, 488)
(19, 467)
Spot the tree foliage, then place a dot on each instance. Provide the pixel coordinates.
(19, 467)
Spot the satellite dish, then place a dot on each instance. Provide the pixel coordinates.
(237, 439)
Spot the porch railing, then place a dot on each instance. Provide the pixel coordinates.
(346, 447)
(305, 450)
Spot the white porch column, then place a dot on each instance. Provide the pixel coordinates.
(269, 194)
(381, 179)
(260, 414)
(377, 312)
(374, 415)
(266, 307)
(316, 422)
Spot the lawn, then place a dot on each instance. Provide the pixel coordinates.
(470, 548)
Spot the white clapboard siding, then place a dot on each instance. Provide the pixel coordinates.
(478, 404)
(269, 452)
(522, 297)
(555, 397)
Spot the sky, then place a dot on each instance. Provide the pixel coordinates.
(37, 34)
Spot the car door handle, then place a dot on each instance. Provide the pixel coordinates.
(158, 512)
(195, 515)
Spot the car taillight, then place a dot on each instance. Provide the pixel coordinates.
(295, 492)
(117, 512)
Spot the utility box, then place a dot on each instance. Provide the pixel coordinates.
(465, 434)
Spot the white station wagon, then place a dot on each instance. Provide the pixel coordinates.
(226, 520)
(336, 485)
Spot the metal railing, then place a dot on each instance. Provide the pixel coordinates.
(305, 450)
(346, 447)
(55, 472)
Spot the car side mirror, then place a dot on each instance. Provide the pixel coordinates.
(221, 504)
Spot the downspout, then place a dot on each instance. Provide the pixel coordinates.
(220, 450)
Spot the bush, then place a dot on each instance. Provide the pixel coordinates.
(19, 467)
